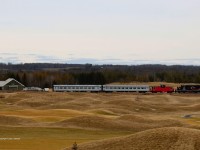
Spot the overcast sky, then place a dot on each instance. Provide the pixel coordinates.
(100, 31)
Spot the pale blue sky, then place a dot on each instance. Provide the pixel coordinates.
(100, 31)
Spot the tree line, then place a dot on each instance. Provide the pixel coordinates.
(47, 75)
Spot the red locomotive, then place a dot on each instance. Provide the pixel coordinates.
(162, 89)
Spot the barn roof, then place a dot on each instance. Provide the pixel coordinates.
(3, 83)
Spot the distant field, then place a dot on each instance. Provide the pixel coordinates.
(53, 121)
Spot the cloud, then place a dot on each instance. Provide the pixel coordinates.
(36, 58)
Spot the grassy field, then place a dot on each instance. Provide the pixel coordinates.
(53, 121)
(45, 138)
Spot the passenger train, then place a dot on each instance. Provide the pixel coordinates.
(127, 88)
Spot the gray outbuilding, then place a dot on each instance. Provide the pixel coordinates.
(11, 84)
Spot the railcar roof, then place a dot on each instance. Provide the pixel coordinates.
(75, 85)
(127, 85)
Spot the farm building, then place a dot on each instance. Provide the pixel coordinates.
(11, 84)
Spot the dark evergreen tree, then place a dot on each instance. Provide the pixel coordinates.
(24, 79)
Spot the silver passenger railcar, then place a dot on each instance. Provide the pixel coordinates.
(126, 88)
(77, 88)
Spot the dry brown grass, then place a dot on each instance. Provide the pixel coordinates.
(125, 123)
(121, 113)
(15, 121)
(2, 96)
(155, 139)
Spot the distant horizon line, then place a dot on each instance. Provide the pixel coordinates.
(114, 60)
(93, 64)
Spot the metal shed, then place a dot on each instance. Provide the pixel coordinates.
(11, 84)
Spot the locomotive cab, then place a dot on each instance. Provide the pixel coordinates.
(162, 89)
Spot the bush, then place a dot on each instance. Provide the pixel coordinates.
(2, 96)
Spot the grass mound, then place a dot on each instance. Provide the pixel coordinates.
(154, 139)
(102, 112)
(139, 119)
(14, 121)
(91, 122)
(124, 123)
